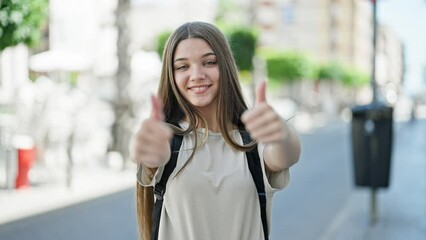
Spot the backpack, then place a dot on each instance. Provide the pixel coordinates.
(255, 168)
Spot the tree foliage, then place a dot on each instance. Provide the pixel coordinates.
(355, 78)
(243, 42)
(346, 75)
(161, 41)
(285, 67)
(330, 71)
(20, 21)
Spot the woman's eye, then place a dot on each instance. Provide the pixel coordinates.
(211, 63)
(181, 67)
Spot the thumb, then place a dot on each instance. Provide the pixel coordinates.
(261, 92)
(157, 108)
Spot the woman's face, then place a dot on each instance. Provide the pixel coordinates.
(196, 73)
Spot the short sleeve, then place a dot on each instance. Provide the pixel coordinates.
(274, 181)
(147, 179)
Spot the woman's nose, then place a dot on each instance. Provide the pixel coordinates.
(197, 73)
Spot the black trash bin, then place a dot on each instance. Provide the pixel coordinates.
(372, 133)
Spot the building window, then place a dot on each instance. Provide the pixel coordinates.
(288, 14)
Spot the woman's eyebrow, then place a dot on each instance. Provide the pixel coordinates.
(203, 56)
(180, 59)
(208, 54)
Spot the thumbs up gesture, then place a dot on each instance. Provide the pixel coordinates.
(262, 122)
(152, 145)
(282, 146)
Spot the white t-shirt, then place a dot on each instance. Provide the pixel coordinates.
(214, 196)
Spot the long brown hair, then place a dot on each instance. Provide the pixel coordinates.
(230, 104)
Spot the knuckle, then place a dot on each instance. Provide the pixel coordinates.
(145, 124)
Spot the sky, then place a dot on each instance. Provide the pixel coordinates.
(408, 19)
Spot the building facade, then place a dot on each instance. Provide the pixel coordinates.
(333, 30)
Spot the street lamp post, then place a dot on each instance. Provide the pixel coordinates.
(372, 134)
(373, 196)
(373, 66)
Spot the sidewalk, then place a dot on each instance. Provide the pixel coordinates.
(402, 207)
(87, 184)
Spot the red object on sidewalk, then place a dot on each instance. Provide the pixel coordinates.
(26, 157)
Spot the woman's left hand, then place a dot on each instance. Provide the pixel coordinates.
(262, 122)
(282, 146)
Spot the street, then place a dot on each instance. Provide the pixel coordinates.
(321, 183)
(319, 186)
(108, 218)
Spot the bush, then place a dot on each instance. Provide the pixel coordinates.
(20, 22)
(330, 71)
(355, 78)
(347, 75)
(285, 67)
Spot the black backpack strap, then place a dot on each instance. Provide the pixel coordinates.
(160, 187)
(255, 168)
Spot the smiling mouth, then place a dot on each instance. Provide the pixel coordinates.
(199, 89)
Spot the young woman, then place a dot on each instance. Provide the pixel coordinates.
(210, 194)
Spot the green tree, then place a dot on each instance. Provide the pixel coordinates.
(243, 43)
(346, 75)
(20, 22)
(161, 41)
(354, 78)
(286, 67)
(329, 71)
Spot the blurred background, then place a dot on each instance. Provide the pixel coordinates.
(75, 81)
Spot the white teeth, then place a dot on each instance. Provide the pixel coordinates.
(198, 89)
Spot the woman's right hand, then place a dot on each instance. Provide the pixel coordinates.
(152, 143)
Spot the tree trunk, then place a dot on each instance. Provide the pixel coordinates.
(122, 104)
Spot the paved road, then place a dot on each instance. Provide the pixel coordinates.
(320, 185)
(107, 218)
